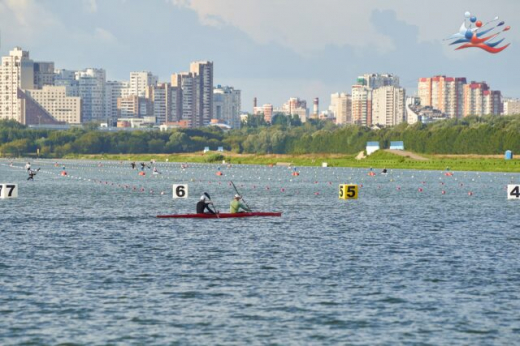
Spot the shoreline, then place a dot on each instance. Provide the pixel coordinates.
(380, 160)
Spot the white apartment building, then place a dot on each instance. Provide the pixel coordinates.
(55, 101)
(140, 81)
(113, 91)
(227, 104)
(16, 72)
(511, 107)
(341, 107)
(378, 80)
(361, 105)
(388, 106)
(91, 85)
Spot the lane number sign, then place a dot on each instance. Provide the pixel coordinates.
(513, 191)
(348, 191)
(8, 191)
(180, 191)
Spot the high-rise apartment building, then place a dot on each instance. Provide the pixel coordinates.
(16, 74)
(185, 87)
(43, 74)
(341, 107)
(113, 91)
(91, 85)
(227, 104)
(378, 80)
(361, 105)
(480, 100)
(161, 98)
(443, 93)
(204, 97)
(388, 106)
(140, 81)
(67, 78)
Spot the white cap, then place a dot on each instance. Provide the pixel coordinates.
(202, 198)
(238, 196)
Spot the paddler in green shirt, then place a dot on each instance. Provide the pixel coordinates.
(236, 205)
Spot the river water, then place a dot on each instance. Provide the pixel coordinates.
(419, 258)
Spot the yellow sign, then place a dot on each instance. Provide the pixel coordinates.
(348, 191)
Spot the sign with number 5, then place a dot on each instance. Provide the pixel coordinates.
(8, 191)
(180, 191)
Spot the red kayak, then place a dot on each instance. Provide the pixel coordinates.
(215, 216)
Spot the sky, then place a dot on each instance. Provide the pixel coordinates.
(271, 49)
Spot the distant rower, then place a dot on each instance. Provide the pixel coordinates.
(32, 174)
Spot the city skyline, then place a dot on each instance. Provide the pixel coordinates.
(270, 64)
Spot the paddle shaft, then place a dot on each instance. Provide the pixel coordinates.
(216, 210)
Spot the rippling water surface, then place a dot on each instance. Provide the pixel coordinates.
(84, 260)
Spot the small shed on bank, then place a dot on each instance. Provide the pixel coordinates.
(397, 145)
(372, 147)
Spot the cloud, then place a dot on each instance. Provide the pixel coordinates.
(90, 6)
(307, 26)
(104, 35)
(304, 26)
(26, 13)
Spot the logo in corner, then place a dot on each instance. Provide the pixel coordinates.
(472, 34)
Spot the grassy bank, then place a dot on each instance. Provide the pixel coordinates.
(379, 159)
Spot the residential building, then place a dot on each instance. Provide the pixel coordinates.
(113, 91)
(480, 100)
(227, 104)
(341, 108)
(185, 88)
(43, 74)
(54, 100)
(511, 106)
(68, 79)
(266, 110)
(140, 81)
(16, 74)
(361, 105)
(91, 86)
(378, 80)
(388, 106)
(133, 106)
(295, 106)
(443, 93)
(161, 98)
(204, 96)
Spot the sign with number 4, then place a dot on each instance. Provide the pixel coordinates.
(8, 191)
(513, 191)
(180, 191)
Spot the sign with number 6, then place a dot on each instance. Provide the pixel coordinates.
(8, 191)
(180, 191)
(513, 191)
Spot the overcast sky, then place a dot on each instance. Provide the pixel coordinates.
(271, 49)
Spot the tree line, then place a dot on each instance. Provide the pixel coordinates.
(471, 135)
